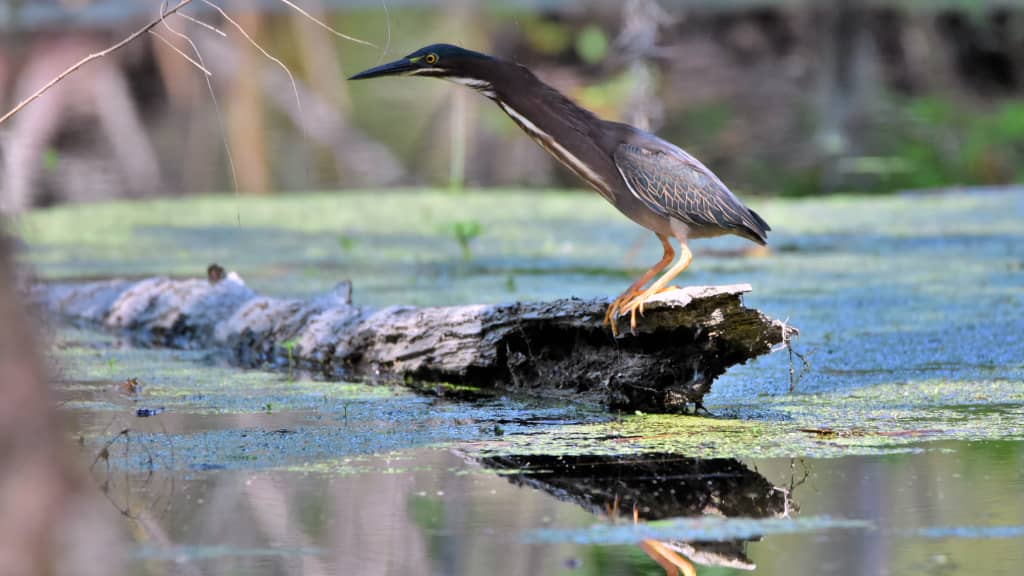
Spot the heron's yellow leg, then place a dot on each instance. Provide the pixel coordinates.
(613, 309)
(668, 559)
(637, 302)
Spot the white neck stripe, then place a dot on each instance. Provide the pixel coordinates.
(471, 82)
(557, 150)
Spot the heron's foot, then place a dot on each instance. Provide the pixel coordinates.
(611, 314)
(635, 303)
(630, 302)
(631, 306)
(667, 558)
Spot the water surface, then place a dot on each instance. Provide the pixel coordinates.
(899, 450)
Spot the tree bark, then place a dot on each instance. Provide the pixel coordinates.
(685, 340)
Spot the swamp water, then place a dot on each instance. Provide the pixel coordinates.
(901, 450)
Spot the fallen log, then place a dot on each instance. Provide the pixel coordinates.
(685, 340)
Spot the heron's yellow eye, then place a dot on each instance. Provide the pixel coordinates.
(430, 58)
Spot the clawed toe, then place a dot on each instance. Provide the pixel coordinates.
(611, 314)
(629, 303)
(634, 305)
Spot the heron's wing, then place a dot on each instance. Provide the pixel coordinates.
(674, 184)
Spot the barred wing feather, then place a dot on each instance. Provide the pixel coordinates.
(674, 184)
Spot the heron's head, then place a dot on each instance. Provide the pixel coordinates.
(437, 60)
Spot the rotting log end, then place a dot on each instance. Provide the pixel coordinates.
(685, 340)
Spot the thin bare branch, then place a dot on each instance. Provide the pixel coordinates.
(71, 69)
(387, 32)
(164, 13)
(268, 55)
(326, 26)
(216, 107)
(180, 53)
(209, 27)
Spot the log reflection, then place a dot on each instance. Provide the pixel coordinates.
(655, 487)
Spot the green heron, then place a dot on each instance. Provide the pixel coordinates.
(654, 183)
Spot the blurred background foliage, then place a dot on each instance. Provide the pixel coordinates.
(778, 97)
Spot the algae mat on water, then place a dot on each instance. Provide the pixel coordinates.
(200, 415)
(875, 420)
(213, 414)
(911, 314)
(911, 307)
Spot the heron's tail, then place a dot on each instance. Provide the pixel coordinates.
(755, 228)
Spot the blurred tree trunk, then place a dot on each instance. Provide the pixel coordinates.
(848, 80)
(637, 43)
(194, 135)
(322, 66)
(99, 92)
(48, 524)
(365, 161)
(463, 106)
(34, 481)
(246, 114)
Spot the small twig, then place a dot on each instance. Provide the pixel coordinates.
(789, 505)
(326, 26)
(216, 107)
(94, 56)
(127, 479)
(794, 379)
(180, 53)
(787, 345)
(104, 452)
(387, 32)
(170, 466)
(209, 27)
(255, 44)
(793, 482)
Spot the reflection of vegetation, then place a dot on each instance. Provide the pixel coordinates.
(428, 514)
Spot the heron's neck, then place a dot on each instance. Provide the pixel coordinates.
(556, 123)
(519, 90)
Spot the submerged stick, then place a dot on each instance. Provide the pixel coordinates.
(685, 340)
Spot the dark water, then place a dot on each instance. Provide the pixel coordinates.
(901, 450)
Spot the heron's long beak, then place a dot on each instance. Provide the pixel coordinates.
(396, 68)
